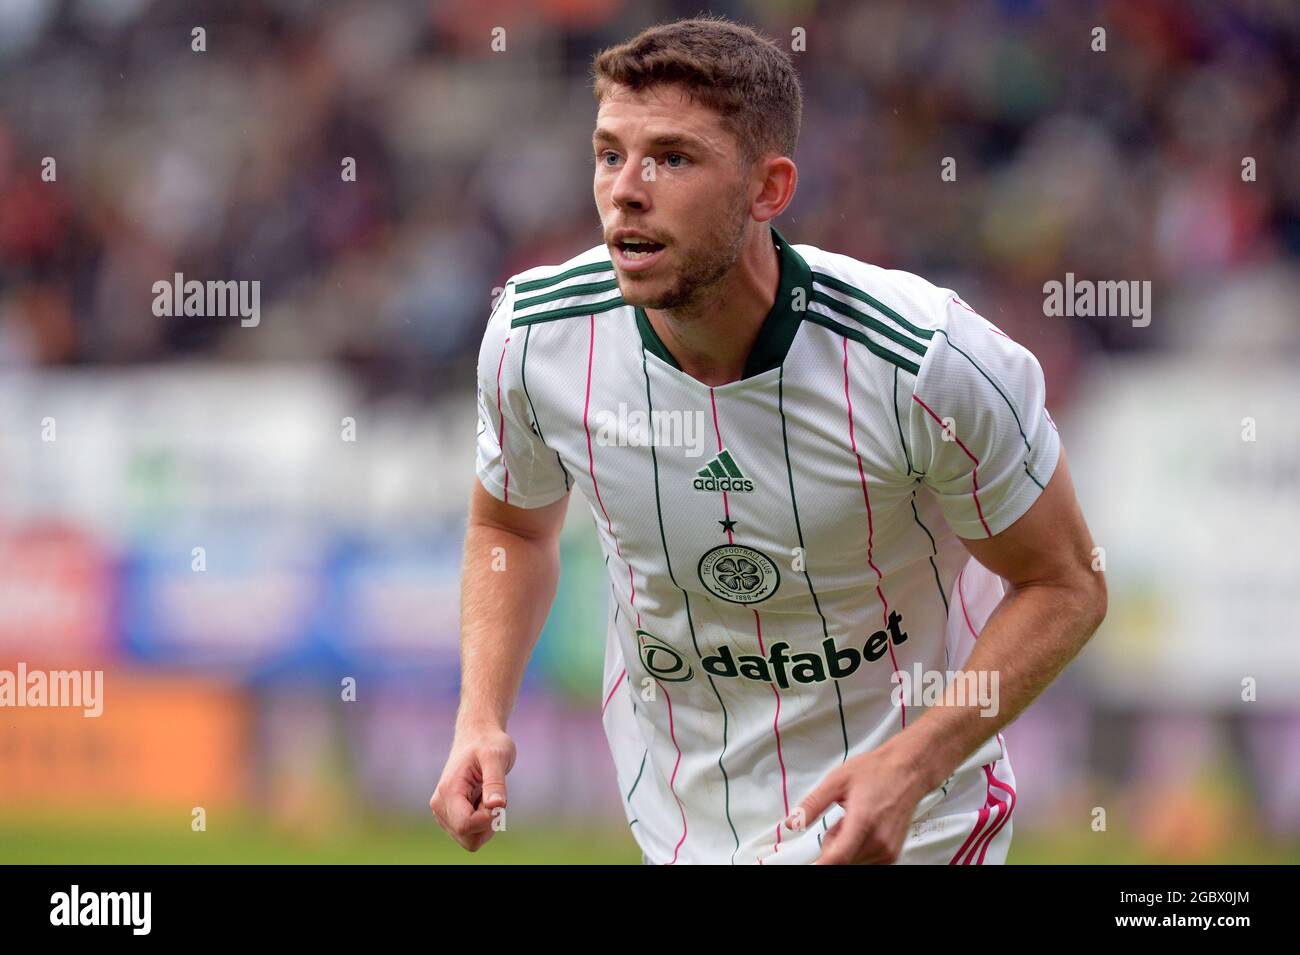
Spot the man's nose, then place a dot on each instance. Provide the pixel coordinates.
(631, 188)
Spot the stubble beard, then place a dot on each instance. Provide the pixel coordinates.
(703, 268)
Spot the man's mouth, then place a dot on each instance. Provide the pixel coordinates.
(633, 254)
(638, 249)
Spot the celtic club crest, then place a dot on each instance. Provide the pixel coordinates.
(739, 574)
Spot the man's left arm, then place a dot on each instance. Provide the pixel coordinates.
(980, 438)
(1055, 603)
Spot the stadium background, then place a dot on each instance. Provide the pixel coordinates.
(329, 558)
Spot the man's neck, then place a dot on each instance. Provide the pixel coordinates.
(712, 338)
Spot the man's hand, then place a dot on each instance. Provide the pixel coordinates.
(473, 785)
(879, 793)
(512, 566)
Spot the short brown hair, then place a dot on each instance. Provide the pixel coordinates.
(744, 76)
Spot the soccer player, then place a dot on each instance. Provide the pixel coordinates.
(811, 478)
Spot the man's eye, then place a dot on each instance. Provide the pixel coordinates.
(604, 157)
(671, 156)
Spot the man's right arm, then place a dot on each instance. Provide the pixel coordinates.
(508, 582)
(510, 572)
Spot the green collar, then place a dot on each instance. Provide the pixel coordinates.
(779, 327)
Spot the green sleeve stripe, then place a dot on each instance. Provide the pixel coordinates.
(848, 311)
(591, 308)
(569, 291)
(838, 285)
(854, 335)
(532, 285)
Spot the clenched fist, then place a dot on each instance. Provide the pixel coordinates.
(473, 784)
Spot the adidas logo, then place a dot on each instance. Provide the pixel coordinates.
(721, 474)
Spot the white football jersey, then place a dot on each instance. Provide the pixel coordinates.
(779, 547)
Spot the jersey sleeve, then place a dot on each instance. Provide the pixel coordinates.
(512, 460)
(981, 436)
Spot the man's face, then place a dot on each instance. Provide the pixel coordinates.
(667, 168)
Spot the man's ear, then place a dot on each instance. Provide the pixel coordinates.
(777, 178)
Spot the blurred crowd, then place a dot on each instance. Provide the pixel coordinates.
(473, 162)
